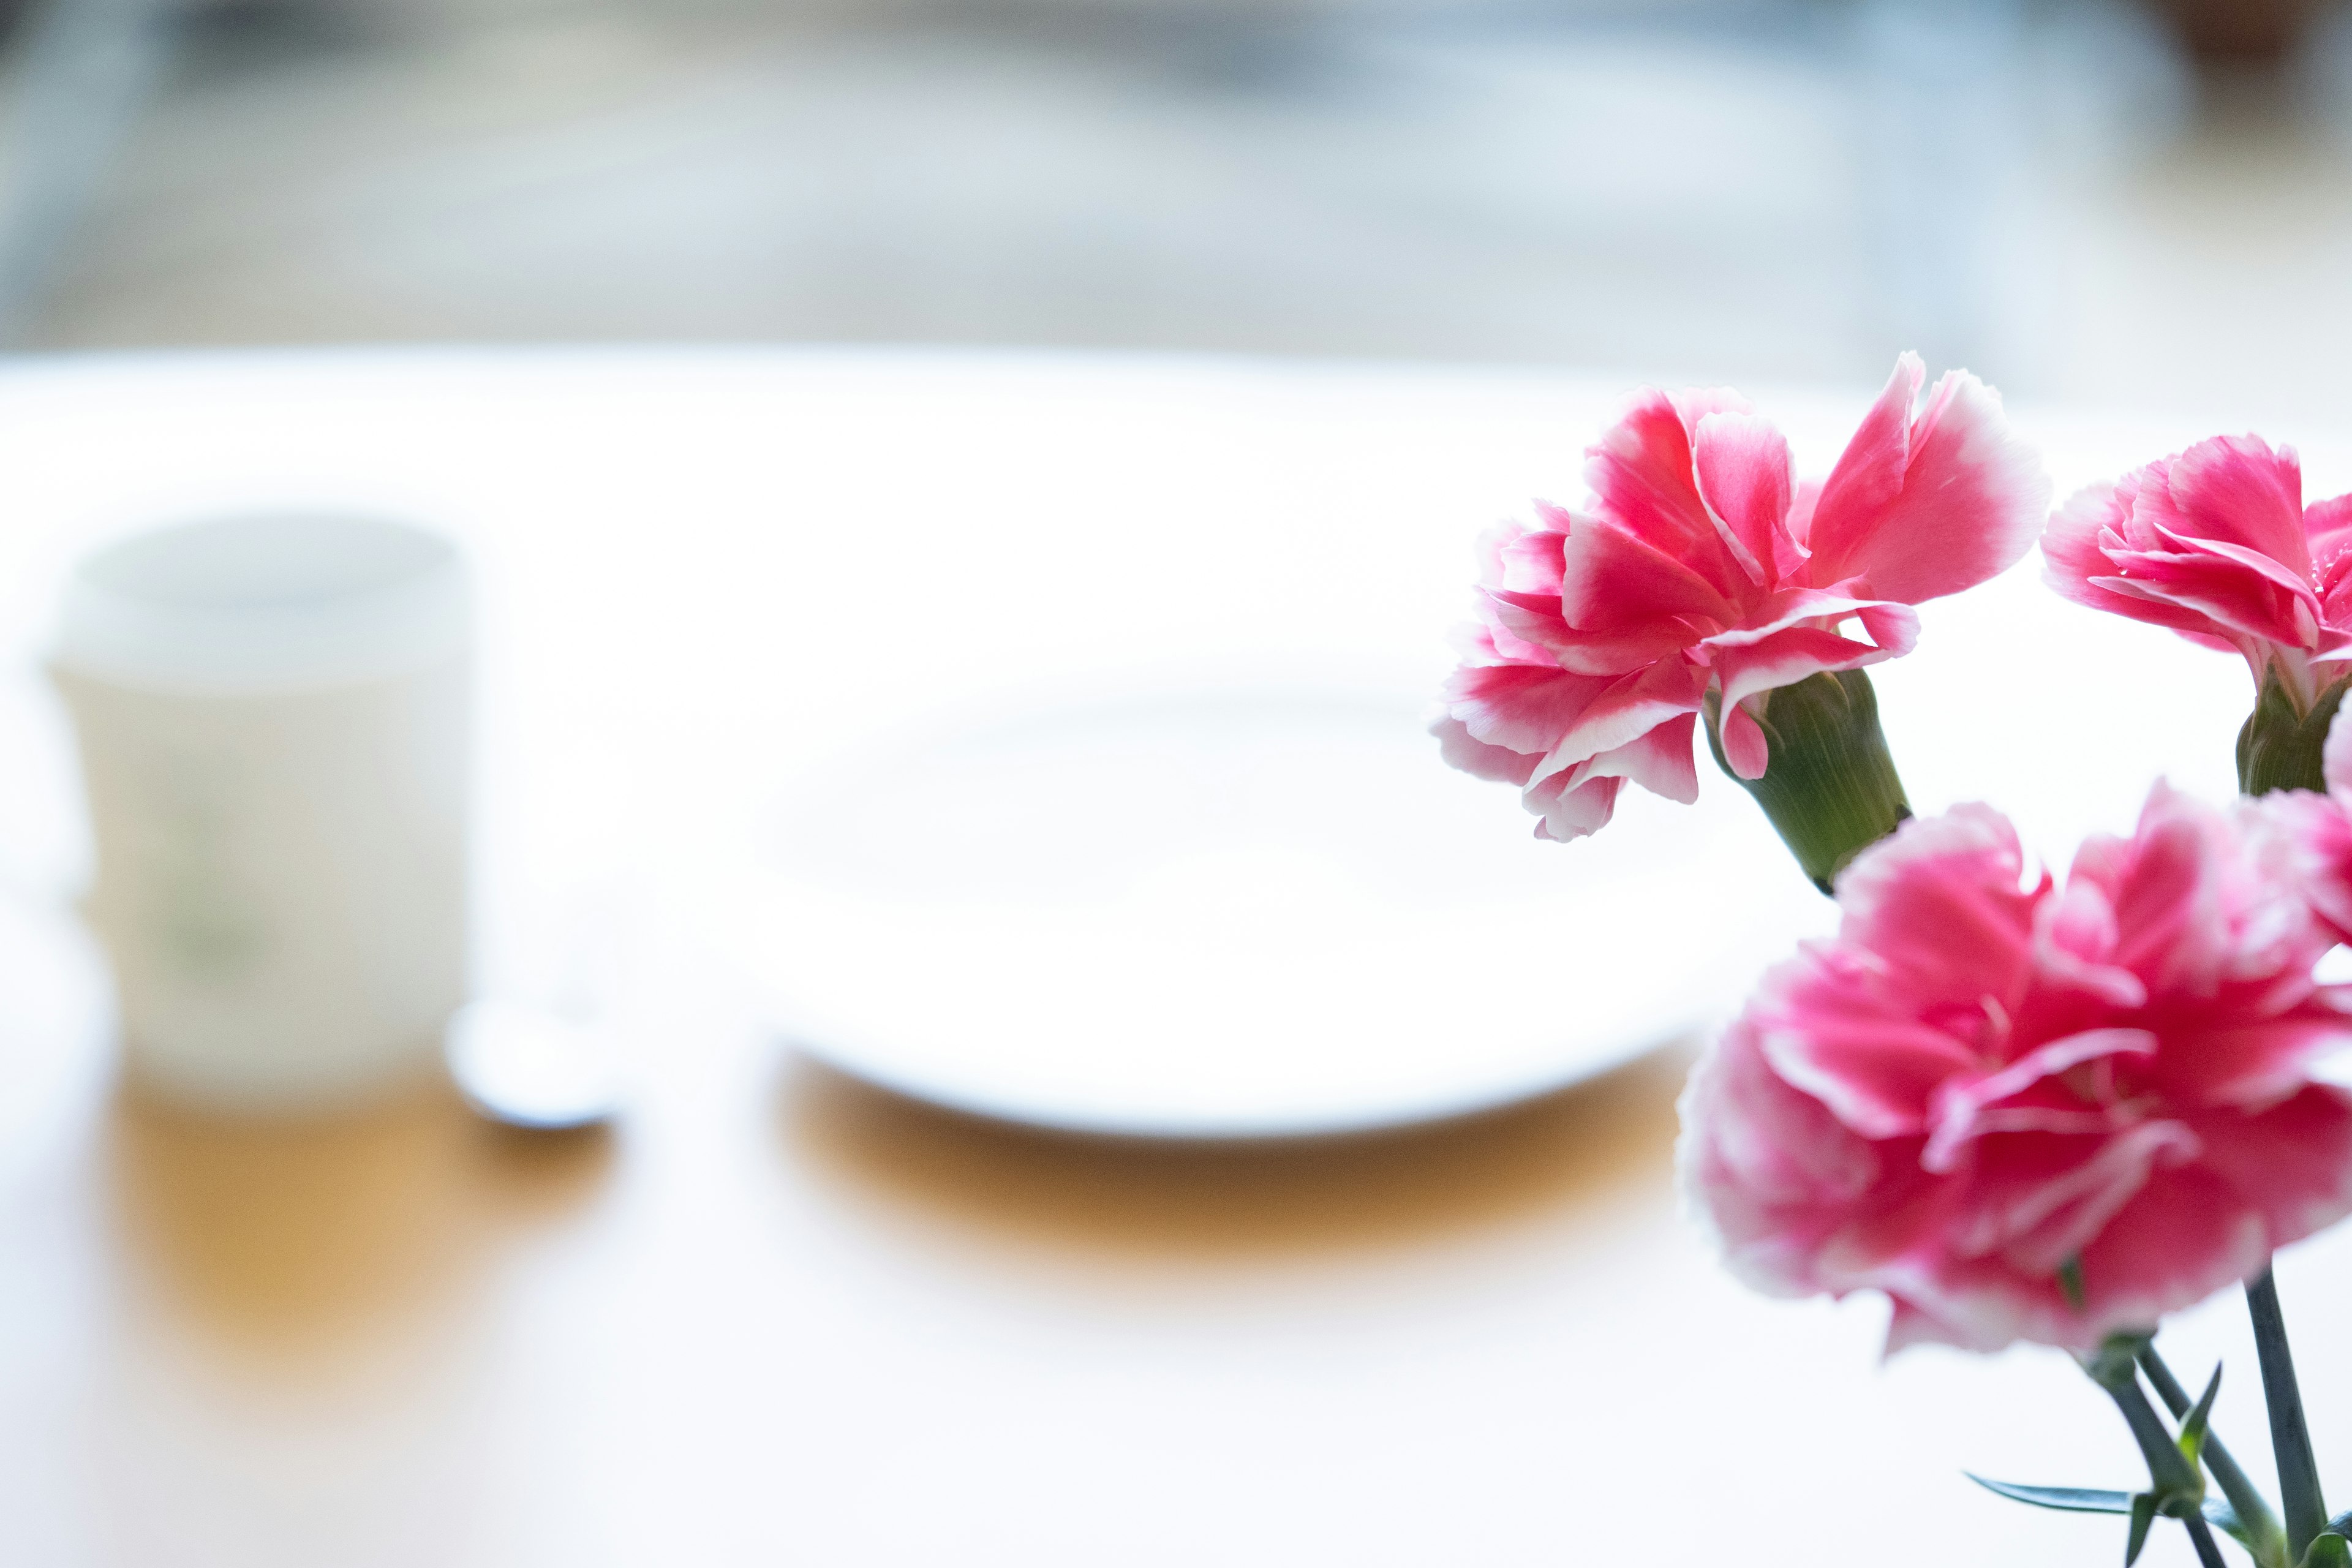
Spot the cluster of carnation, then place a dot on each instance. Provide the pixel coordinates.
(2025, 1108)
(2020, 1105)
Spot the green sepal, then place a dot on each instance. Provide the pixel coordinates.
(2328, 1549)
(2193, 1426)
(2279, 745)
(1829, 787)
(2143, 1514)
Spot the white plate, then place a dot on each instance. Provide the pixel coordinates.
(1240, 912)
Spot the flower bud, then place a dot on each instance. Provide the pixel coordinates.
(2280, 745)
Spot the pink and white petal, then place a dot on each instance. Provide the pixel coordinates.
(1972, 498)
(1528, 561)
(1612, 579)
(1968, 1106)
(1893, 627)
(2252, 1066)
(2252, 560)
(1745, 746)
(2306, 840)
(1534, 619)
(1461, 749)
(2040, 1203)
(1571, 810)
(1793, 552)
(2291, 1162)
(1943, 905)
(2183, 1236)
(1642, 477)
(1767, 1167)
(1868, 476)
(1521, 706)
(1630, 707)
(1661, 761)
(1528, 628)
(1747, 481)
(2336, 757)
(2223, 599)
(2077, 567)
(1613, 654)
(1788, 607)
(1786, 657)
(2237, 490)
(1832, 1034)
(2327, 527)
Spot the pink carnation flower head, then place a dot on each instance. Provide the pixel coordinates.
(2028, 1110)
(2309, 834)
(2216, 543)
(1702, 576)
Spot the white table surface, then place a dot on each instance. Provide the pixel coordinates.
(780, 1318)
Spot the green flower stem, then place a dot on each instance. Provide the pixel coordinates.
(2115, 1369)
(2253, 1510)
(2306, 1512)
(1830, 786)
(2280, 748)
(2178, 1484)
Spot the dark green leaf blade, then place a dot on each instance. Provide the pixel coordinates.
(2192, 1427)
(2143, 1514)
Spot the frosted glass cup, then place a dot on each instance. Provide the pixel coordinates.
(273, 713)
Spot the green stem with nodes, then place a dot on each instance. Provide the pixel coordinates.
(1829, 786)
(2176, 1482)
(2280, 748)
(2253, 1510)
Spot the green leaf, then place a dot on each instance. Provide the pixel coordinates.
(2069, 1499)
(2092, 1500)
(2143, 1514)
(2192, 1427)
(2328, 1549)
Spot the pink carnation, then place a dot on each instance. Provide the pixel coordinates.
(2216, 543)
(1701, 565)
(1984, 1077)
(2311, 834)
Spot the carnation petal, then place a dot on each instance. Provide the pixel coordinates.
(2236, 489)
(1745, 746)
(1642, 477)
(1611, 580)
(1573, 808)
(1626, 709)
(1462, 749)
(1523, 707)
(1955, 500)
(1747, 481)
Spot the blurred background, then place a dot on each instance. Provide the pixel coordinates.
(2084, 200)
(763, 1317)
